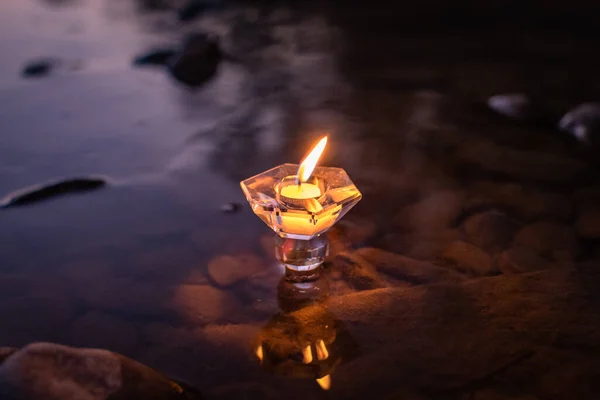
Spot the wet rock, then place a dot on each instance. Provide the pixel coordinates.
(231, 208)
(513, 105)
(227, 270)
(197, 61)
(588, 224)
(549, 239)
(523, 201)
(436, 211)
(470, 259)
(490, 230)
(6, 352)
(55, 372)
(157, 57)
(49, 190)
(39, 68)
(49, 371)
(583, 122)
(33, 318)
(202, 304)
(101, 330)
(542, 166)
(357, 272)
(424, 326)
(406, 269)
(519, 260)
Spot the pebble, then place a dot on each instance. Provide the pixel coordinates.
(512, 105)
(197, 61)
(490, 230)
(470, 259)
(583, 122)
(518, 260)
(231, 208)
(38, 68)
(549, 239)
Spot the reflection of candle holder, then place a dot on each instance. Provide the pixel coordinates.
(304, 340)
(300, 212)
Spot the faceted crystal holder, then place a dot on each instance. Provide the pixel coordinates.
(301, 223)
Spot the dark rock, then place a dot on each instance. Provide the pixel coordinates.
(549, 239)
(588, 224)
(101, 330)
(406, 269)
(470, 259)
(231, 208)
(55, 372)
(159, 57)
(520, 260)
(525, 202)
(39, 68)
(583, 122)
(201, 304)
(197, 61)
(49, 190)
(490, 230)
(227, 270)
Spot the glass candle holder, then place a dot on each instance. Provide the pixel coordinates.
(301, 213)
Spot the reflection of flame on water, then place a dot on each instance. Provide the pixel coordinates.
(322, 353)
(259, 353)
(307, 356)
(310, 162)
(325, 382)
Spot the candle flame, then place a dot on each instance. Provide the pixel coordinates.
(325, 382)
(310, 162)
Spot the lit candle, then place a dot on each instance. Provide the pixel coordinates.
(304, 190)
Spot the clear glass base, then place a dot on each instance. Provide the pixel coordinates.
(302, 258)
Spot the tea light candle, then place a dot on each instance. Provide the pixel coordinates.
(301, 192)
(304, 190)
